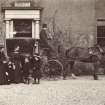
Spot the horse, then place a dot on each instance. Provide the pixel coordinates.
(94, 55)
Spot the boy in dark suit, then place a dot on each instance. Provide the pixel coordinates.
(36, 69)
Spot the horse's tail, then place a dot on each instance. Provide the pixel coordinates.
(67, 53)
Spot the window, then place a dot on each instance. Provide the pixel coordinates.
(23, 28)
(101, 32)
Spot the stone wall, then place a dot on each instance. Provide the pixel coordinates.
(72, 22)
(100, 9)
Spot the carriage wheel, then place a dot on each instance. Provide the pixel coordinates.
(54, 68)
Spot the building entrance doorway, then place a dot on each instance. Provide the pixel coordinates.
(22, 19)
(22, 22)
(22, 27)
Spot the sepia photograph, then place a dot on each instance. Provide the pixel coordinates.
(52, 52)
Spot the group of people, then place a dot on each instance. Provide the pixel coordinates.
(32, 68)
(16, 70)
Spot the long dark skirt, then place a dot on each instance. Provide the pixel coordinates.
(3, 76)
(36, 75)
(18, 72)
(26, 68)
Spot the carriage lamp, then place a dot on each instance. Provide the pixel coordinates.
(36, 47)
(14, 32)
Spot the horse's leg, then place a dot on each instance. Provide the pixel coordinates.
(95, 76)
(65, 70)
(72, 70)
(71, 66)
(104, 71)
(68, 69)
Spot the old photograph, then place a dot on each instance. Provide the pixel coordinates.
(52, 52)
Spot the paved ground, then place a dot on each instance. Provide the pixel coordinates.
(82, 91)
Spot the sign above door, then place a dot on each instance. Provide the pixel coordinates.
(22, 4)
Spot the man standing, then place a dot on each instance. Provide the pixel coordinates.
(44, 37)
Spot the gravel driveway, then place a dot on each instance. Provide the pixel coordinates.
(60, 92)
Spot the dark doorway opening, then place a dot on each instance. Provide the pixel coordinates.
(23, 27)
(101, 35)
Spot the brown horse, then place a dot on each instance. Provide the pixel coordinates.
(92, 55)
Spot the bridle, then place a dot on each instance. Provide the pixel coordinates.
(100, 49)
(95, 50)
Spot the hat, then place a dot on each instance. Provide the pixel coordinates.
(36, 55)
(44, 26)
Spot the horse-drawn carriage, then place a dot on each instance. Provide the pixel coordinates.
(20, 49)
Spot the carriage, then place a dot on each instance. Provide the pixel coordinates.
(52, 66)
(18, 49)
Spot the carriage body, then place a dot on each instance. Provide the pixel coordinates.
(20, 46)
(18, 51)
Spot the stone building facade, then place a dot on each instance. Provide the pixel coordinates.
(71, 22)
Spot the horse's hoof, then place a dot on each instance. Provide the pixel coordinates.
(64, 78)
(73, 76)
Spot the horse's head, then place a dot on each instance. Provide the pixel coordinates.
(101, 49)
(96, 50)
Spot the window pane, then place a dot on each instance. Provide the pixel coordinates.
(101, 35)
(23, 28)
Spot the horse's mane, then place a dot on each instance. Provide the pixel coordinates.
(74, 51)
(77, 51)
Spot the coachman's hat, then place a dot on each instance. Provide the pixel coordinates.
(44, 26)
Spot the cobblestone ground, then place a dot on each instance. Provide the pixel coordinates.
(61, 92)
